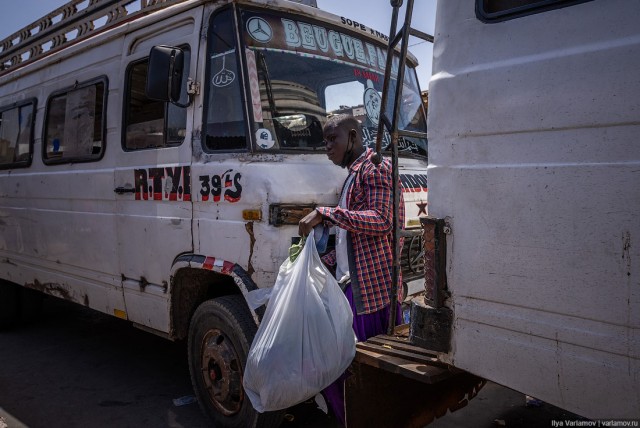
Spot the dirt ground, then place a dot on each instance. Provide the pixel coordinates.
(79, 368)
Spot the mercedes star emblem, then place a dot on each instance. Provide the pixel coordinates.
(259, 29)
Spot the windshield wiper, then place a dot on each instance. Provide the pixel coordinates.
(263, 71)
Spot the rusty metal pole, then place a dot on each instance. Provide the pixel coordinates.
(394, 139)
(406, 29)
(377, 158)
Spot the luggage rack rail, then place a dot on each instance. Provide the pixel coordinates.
(75, 21)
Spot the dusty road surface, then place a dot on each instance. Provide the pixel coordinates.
(78, 368)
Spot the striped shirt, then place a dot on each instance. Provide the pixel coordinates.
(368, 220)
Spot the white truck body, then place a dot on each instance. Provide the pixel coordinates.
(66, 232)
(154, 211)
(534, 162)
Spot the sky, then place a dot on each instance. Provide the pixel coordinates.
(375, 14)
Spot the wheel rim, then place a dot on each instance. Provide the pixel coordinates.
(222, 372)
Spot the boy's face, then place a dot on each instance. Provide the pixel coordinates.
(336, 140)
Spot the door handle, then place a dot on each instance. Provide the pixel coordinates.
(121, 190)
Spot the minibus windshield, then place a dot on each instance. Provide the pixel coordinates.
(301, 71)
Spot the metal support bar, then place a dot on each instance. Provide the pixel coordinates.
(421, 35)
(377, 158)
(386, 121)
(398, 37)
(435, 250)
(414, 134)
(396, 189)
(392, 126)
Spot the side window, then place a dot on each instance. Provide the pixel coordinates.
(226, 127)
(502, 10)
(151, 123)
(16, 135)
(75, 121)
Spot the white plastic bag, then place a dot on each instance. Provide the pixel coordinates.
(306, 339)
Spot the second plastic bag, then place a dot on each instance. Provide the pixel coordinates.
(306, 338)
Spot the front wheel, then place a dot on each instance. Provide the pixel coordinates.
(220, 334)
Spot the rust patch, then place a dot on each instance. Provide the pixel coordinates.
(626, 250)
(249, 227)
(52, 289)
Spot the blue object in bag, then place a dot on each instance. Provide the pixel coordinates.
(321, 236)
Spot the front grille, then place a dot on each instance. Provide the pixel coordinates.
(411, 258)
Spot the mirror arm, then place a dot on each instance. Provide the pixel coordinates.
(193, 89)
(175, 103)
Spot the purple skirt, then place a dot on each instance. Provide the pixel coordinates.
(365, 326)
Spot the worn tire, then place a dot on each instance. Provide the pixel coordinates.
(220, 334)
(9, 304)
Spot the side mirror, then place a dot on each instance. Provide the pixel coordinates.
(164, 76)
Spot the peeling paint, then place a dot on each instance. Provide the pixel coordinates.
(53, 289)
(260, 157)
(196, 147)
(249, 227)
(626, 250)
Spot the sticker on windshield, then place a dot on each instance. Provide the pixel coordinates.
(372, 102)
(223, 77)
(263, 137)
(259, 30)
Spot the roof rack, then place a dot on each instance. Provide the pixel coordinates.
(75, 21)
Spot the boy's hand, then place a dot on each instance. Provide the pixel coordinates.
(308, 222)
